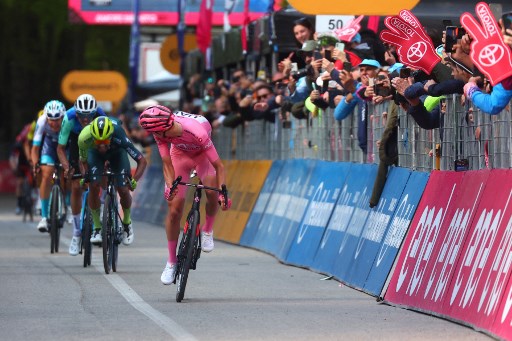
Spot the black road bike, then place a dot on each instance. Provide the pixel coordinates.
(86, 228)
(112, 229)
(189, 249)
(57, 209)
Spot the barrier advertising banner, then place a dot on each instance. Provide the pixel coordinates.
(299, 181)
(322, 194)
(376, 225)
(149, 197)
(360, 201)
(395, 234)
(285, 208)
(482, 271)
(410, 284)
(253, 224)
(244, 186)
(328, 248)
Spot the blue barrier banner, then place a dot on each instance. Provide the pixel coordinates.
(329, 248)
(377, 224)
(147, 195)
(323, 192)
(301, 173)
(253, 224)
(274, 227)
(403, 214)
(363, 180)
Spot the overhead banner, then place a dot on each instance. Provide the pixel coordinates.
(162, 13)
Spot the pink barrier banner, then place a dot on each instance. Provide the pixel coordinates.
(456, 263)
(483, 269)
(412, 282)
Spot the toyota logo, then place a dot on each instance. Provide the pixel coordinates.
(490, 55)
(416, 51)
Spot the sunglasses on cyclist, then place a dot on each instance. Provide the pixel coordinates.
(102, 142)
(85, 116)
(51, 116)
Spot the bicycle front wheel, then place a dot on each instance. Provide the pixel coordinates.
(86, 235)
(54, 219)
(107, 235)
(185, 254)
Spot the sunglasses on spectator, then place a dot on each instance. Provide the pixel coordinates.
(102, 142)
(263, 96)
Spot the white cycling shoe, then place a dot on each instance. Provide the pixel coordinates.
(207, 242)
(168, 274)
(74, 246)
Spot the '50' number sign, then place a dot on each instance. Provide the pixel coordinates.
(325, 23)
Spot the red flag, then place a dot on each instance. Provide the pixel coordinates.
(204, 26)
(243, 33)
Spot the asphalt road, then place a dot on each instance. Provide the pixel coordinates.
(236, 294)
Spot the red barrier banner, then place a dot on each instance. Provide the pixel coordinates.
(412, 282)
(483, 270)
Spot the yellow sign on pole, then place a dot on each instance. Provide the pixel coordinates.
(370, 7)
(103, 85)
(169, 54)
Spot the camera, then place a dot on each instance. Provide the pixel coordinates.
(299, 74)
(507, 22)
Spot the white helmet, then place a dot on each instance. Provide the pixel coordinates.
(54, 110)
(86, 104)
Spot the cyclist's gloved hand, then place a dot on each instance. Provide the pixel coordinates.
(168, 193)
(223, 205)
(133, 184)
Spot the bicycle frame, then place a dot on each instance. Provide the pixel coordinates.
(189, 249)
(57, 209)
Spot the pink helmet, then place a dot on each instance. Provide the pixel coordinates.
(156, 118)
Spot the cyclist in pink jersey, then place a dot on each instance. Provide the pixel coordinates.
(191, 147)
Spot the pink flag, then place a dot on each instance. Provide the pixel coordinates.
(204, 26)
(243, 33)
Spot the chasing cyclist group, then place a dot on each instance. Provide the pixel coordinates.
(84, 141)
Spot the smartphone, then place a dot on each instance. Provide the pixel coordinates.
(371, 82)
(450, 38)
(340, 46)
(507, 22)
(317, 55)
(496, 10)
(295, 68)
(328, 55)
(405, 72)
(347, 66)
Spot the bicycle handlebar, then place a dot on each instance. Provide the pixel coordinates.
(223, 191)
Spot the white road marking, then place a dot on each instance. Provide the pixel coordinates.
(168, 325)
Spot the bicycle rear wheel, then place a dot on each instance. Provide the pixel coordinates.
(107, 233)
(185, 254)
(54, 219)
(116, 230)
(86, 236)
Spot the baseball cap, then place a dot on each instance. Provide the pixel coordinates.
(370, 62)
(395, 67)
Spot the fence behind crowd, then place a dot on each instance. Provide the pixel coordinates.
(467, 139)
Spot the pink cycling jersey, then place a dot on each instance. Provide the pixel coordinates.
(194, 149)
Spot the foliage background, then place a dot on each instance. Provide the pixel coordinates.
(38, 46)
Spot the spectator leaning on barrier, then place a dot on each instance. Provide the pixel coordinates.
(501, 94)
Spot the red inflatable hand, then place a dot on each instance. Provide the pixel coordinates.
(413, 46)
(348, 32)
(488, 51)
